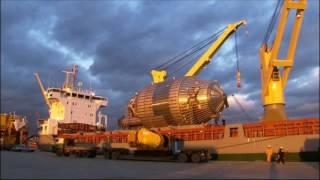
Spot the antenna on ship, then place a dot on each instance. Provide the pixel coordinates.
(74, 74)
(70, 80)
(90, 88)
(80, 84)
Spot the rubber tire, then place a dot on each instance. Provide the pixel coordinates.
(59, 153)
(208, 157)
(66, 154)
(79, 154)
(195, 157)
(106, 155)
(92, 154)
(115, 155)
(182, 157)
(86, 154)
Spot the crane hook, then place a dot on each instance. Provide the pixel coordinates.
(238, 79)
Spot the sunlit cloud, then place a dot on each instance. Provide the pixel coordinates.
(243, 100)
(311, 78)
(78, 58)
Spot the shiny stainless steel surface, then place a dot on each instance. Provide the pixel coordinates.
(183, 101)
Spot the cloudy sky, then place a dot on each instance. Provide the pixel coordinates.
(117, 43)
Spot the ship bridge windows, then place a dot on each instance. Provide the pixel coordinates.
(54, 90)
(98, 98)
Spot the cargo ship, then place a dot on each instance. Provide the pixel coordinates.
(69, 106)
(298, 137)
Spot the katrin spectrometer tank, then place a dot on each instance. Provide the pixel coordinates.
(182, 101)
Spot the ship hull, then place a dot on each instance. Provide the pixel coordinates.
(295, 136)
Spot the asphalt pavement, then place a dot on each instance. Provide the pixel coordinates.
(44, 165)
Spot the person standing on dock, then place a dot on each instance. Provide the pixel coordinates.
(280, 155)
(269, 153)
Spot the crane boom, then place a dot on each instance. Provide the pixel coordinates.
(160, 75)
(206, 57)
(273, 83)
(44, 93)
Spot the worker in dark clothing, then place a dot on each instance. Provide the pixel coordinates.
(225, 99)
(223, 122)
(280, 155)
(216, 121)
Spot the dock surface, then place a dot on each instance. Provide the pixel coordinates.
(43, 165)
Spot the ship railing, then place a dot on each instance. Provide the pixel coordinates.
(195, 134)
(98, 137)
(288, 128)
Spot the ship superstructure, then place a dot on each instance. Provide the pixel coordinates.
(71, 104)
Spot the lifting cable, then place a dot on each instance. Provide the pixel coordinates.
(193, 56)
(242, 108)
(181, 56)
(189, 55)
(272, 22)
(237, 61)
(196, 49)
(238, 80)
(188, 62)
(178, 58)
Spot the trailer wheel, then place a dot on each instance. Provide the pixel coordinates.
(79, 154)
(66, 154)
(182, 157)
(208, 156)
(106, 155)
(115, 155)
(92, 154)
(195, 157)
(59, 153)
(86, 154)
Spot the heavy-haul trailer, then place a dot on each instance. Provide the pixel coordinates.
(142, 144)
(67, 147)
(146, 144)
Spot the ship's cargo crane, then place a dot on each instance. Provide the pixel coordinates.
(44, 92)
(273, 82)
(159, 76)
(182, 101)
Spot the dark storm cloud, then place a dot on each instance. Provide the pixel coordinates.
(126, 39)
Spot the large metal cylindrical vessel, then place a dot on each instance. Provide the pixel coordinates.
(182, 101)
